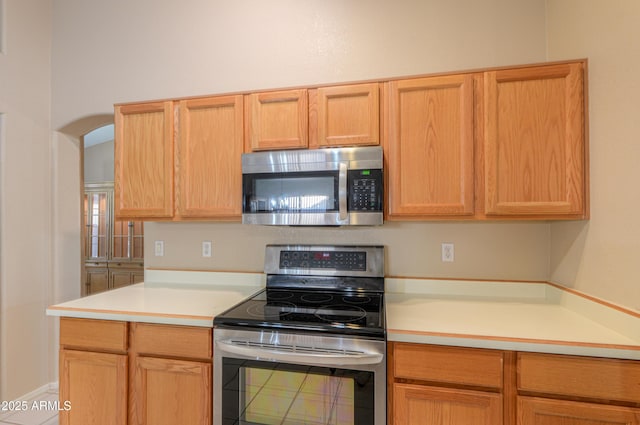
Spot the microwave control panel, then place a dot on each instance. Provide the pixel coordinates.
(365, 190)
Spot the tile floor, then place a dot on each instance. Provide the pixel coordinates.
(38, 416)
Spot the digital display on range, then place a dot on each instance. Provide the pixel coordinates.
(337, 260)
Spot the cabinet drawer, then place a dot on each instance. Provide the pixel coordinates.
(101, 335)
(533, 410)
(172, 341)
(453, 365)
(594, 378)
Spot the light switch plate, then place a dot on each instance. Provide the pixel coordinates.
(206, 249)
(158, 247)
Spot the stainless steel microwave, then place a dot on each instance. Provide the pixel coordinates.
(317, 187)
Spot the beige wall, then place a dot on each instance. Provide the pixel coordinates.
(25, 197)
(601, 257)
(118, 50)
(482, 250)
(171, 49)
(98, 163)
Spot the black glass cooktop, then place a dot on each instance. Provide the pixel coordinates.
(341, 312)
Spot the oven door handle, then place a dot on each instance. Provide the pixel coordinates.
(322, 359)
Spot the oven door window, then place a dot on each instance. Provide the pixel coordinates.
(267, 393)
(291, 192)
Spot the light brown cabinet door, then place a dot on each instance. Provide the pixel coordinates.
(430, 147)
(344, 116)
(169, 392)
(538, 411)
(144, 160)
(95, 384)
(96, 279)
(137, 276)
(277, 120)
(422, 405)
(120, 278)
(209, 152)
(535, 141)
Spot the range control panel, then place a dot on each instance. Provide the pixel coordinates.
(334, 260)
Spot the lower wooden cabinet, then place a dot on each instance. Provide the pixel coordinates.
(425, 405)
(439, 385)
(93, 372)
(171, 374)
(562, 376)
(436, 385)
(119, 373)
(95, 387)
(96, 278)
(573, 390)
(124, 276)
(540, 411)
(100, 277)
(169, 392)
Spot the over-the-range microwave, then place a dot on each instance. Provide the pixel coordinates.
(317, 187)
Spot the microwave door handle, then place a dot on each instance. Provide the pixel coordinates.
(342, 192)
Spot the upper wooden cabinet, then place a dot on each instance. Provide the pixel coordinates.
(505, 143)
(430, 147)
(323, 117)
(144, 160)
(209, 150)
(277, 120)
(200, 165)
(344, 115)
(535, 141)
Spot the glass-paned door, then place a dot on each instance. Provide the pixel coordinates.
(128, 240)
(97, 214)
(137, 240)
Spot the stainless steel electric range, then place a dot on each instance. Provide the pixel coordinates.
(310, 348)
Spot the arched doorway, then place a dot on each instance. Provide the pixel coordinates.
(112, 249)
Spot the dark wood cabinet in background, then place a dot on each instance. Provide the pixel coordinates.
(113, 250)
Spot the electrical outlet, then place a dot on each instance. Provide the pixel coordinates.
(206, 249)
(158, 247)
(447, 253)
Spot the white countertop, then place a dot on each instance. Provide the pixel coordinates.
(507, 315)
(517, 316)
(169, 297)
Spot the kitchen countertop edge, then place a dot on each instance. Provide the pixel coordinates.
(441, 312)
(156, 299)
(512, 344)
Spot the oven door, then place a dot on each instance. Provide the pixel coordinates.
(267, 378)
